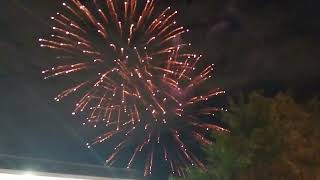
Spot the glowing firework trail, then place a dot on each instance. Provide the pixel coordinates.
(199, 137)
(134, 80)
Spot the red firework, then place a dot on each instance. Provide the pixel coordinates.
(134, 79)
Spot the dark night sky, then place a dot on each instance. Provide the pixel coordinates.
(268, 45)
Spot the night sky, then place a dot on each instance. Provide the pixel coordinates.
(255, 45)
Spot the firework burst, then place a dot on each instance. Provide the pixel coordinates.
(135, 80)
